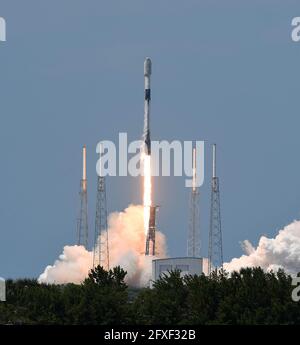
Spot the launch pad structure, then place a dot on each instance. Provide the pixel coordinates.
(101, 239)
(101, 244)
(150, 240)
(193, 243)
(215, 249)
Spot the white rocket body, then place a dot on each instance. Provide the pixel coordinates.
(147, 76)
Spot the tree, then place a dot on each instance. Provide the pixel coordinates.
(250, 296)
(166, 303)
(104, 297)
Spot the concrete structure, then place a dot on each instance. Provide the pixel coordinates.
(187, 265)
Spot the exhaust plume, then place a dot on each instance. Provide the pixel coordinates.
(283, 251)
(126, 246)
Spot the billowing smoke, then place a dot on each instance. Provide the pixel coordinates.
(283, 251)
(127, 247)
(72, 266)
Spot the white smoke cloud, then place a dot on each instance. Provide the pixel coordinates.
(72, 266)
(127, 248)
(283, 251)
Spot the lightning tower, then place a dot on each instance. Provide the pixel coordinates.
(215, 250)
(193, 245)
(101, 245)
(82, 224)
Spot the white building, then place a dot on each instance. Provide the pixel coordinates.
(187, 265)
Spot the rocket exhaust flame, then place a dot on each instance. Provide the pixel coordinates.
(146, 159)
(147, 190)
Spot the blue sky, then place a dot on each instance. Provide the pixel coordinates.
(71, 73)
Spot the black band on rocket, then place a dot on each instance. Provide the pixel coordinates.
(148, 95)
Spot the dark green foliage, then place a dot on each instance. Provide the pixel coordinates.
(250, 296)
(104, 297)
(165, 303)
(112, 279)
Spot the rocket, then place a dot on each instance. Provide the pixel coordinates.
(147, 77)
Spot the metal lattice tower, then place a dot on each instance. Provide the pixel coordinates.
(101, 245)
(82, 223)
(193, 243)
(215, 249)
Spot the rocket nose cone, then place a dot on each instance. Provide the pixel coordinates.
(147, 67)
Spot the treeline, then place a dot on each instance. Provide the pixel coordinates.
(250, 296)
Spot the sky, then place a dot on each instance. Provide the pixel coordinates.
(71, 73)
